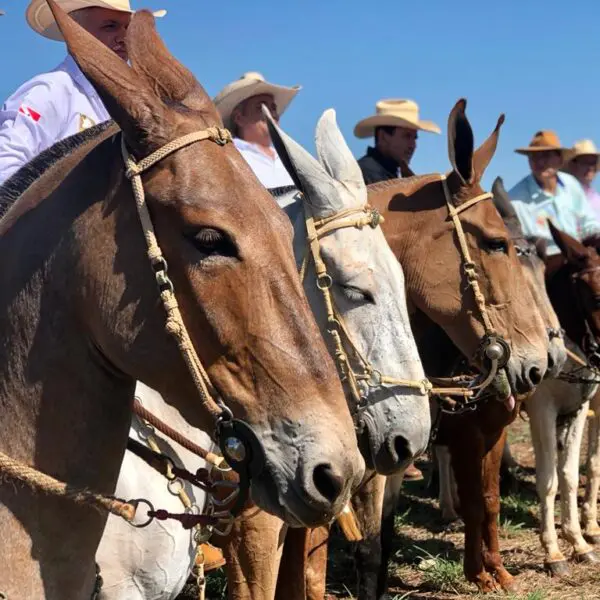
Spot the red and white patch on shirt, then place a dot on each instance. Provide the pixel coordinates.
(29, 112)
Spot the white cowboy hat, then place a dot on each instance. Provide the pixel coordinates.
(394, 113)
(40, 17)
(249, 85)
(583, 148)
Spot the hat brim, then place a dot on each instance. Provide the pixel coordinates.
(41, 20)
(241, 90)
(570, 156)
(535, 149)
(366, 127)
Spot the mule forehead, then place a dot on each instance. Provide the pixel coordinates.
(214, 186)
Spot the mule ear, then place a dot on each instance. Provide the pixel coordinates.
(337, 159)
(502, 201)
(125, 95)
(573, 250)
(405, 170)
(484, 154)
(165, 75)
(460, 142)
(318, 187)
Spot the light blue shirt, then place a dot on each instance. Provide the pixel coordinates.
(45, 110)
(270, 172)
(568, 209)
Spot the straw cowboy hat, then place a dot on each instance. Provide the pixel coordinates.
(583, 148)
(248, 85)
(543, 141)
(40, 17)
(395, 113)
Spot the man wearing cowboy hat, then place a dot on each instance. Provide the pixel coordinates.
(62, 102)
(395, 128)
(547, 194)
(240, 105)
(583, 162)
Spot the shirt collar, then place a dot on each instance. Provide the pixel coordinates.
(388, 163)
(535, 191)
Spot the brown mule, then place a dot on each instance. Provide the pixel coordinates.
(82, 318)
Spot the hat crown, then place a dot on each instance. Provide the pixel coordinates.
(255, 75)
(585, 147)
(395, 106)
(545, 138)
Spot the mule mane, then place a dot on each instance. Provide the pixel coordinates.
(14, 187)
(20, 181)
(406, 186)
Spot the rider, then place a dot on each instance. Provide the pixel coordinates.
(547, 193)
(240, 105)
(62, 102)
(583, 162)
(394, 129)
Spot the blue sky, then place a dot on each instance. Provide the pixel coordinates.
(535, 60)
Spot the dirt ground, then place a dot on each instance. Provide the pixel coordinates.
(427, 555)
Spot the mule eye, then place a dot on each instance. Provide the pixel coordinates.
(596, 302)
(355, 294)
(213, 242)
(497, 245)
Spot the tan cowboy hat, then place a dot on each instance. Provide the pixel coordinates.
(395, 113)
(543, 141)
(40, 17)
(583, 148)
(248, 85)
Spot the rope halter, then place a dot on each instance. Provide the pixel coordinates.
(239, 444)
(492, 346)
(366, 373)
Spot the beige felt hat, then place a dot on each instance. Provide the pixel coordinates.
(40, 17)
(394, 113)
(543, 141)
(248, 85)
(583, 148)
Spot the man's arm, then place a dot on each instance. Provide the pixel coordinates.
(30, 121)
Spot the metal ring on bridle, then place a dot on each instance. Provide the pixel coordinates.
(137, 502)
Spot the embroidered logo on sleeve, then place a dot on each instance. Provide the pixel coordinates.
(29, 112)
(85, 122)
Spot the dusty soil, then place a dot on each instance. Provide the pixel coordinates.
(427, 554)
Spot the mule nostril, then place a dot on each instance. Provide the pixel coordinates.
(402, 449)
(551, 362)
(535, 375)
(328, 484)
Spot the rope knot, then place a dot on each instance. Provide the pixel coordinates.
(132, 170)
(219, 135)
(172, 327)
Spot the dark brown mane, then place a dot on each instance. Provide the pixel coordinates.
(52, 162)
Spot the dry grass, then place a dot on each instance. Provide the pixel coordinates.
(427, 555)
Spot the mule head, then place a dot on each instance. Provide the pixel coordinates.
(425, 238)
(512, 311)
(532, 255)
(577, 294)
(230, 259)
(367, 285)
